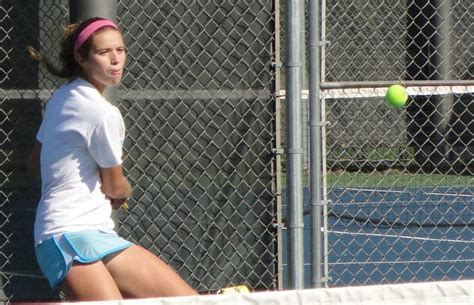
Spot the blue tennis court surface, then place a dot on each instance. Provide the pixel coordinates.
(379, 236)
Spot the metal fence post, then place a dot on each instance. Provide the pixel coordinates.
(315, 126)
(80, 10)
(294, 149)
(83, 9)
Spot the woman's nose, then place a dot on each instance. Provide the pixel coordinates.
(115, 58)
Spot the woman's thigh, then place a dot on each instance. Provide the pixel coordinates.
(139, 273)
(90, 282)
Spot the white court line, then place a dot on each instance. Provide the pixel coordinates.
(404, 237)
(438, 261)
(391, 203)
(402, 191)
(421, 192)
(449, 194)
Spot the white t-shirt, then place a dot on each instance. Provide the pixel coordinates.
(80, 132)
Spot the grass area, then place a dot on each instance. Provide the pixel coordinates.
(391, 178)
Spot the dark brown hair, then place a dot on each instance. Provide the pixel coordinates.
(69, 68)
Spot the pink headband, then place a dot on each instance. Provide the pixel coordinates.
(90, 29)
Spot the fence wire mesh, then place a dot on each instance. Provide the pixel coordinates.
(23, 91)
(199, 108)
(199, 105)
(400, 181)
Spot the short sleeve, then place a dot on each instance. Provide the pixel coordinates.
(106, 140)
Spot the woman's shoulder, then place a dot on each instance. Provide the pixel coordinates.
(85, 101)
(84, 90)
(86, 95)
(77, 91)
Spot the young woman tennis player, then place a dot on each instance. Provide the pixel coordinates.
(79, 155)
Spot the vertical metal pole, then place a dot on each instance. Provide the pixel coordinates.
(80, 10)
(84, 9)
(304, 97)
(315, 143)
(323, 143)
(445, 45)
(294, 151)
(278, 165)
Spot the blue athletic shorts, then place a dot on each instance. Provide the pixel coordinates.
(56, 255)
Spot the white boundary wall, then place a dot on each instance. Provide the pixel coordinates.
(452, 292)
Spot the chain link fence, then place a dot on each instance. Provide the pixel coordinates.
(198, 103)
(203, 124)
(399, 181)
(23, 90)
(200, 114)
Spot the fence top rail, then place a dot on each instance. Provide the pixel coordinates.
(406, 83)
(374, 92)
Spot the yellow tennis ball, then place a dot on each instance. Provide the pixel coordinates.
(396, 96)
(243, 289)
(235, 289)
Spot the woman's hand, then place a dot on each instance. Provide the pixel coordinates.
(118, 203)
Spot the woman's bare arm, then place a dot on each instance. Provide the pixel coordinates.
(33, 167)
(114, 184)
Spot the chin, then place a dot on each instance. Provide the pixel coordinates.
(114, 83)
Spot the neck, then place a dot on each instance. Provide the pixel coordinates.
(99, 86)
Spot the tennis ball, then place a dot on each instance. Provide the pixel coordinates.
(396, 96)
(235, 289)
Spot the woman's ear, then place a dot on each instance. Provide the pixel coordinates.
(79, 58)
